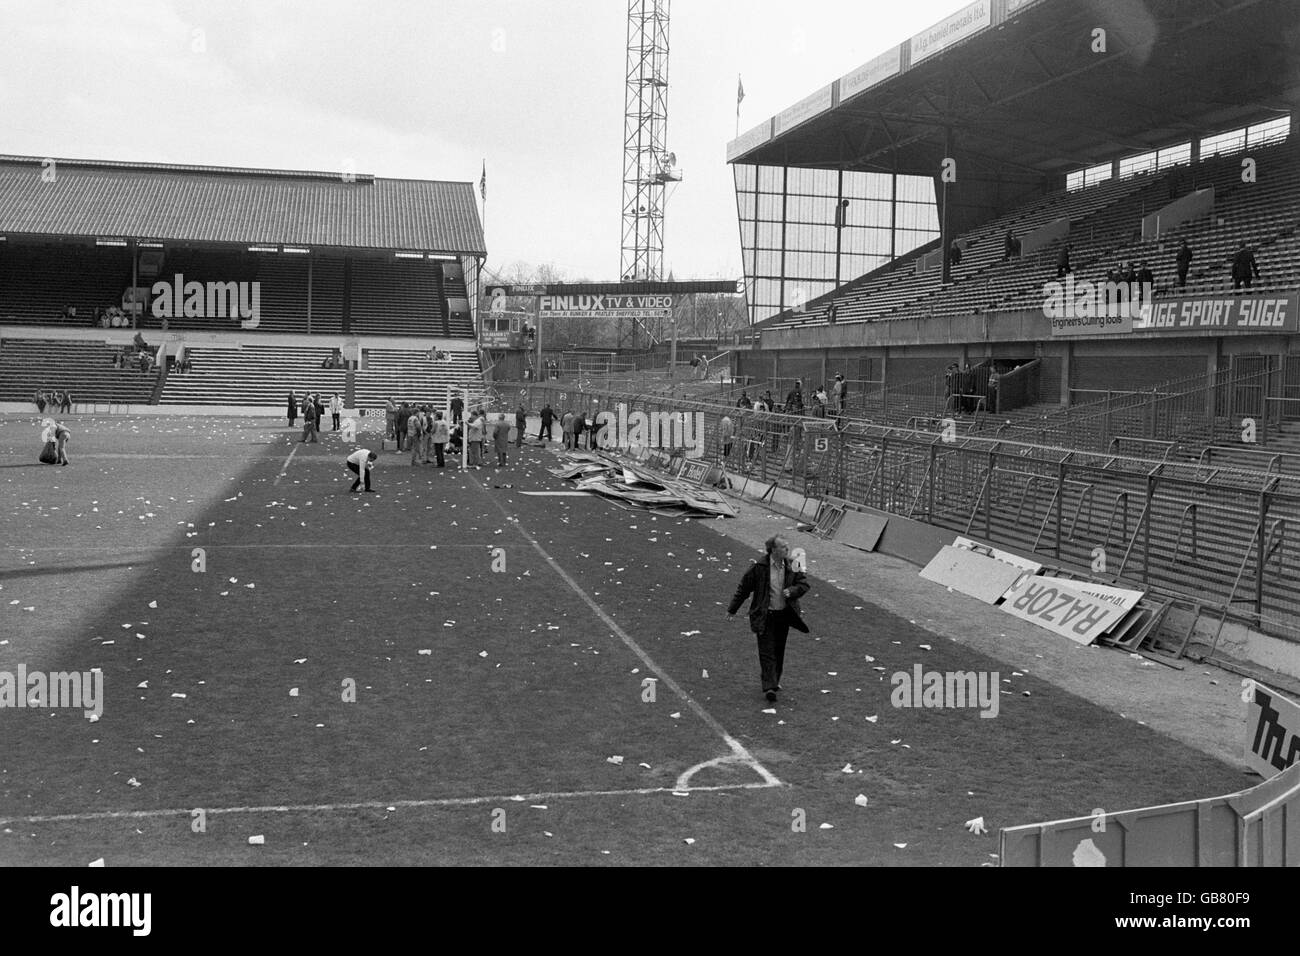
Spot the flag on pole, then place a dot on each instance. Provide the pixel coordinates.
(482, 183)
(740, 91)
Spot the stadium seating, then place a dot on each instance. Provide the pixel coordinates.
(398, 297)
(252, 375)
(84, 368)
(1106, 222)
(388, 297)
(37, 283)
(412, 376)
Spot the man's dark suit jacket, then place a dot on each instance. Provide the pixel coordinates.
(757, 581)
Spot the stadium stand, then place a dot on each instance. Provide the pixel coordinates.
(39, 282)
(397, 298)
(252, 375)
(1105, 227)
(412, 376)
(82, 367)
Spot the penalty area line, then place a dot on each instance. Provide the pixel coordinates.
(432, 803)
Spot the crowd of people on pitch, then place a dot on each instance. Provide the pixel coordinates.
(312, 409)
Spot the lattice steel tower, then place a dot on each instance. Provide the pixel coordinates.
(647, 165)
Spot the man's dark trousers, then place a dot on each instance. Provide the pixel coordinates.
(771, 647)
(356, 470)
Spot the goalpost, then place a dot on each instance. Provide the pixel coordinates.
(485, 400)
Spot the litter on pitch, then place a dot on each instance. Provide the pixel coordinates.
(604, 475)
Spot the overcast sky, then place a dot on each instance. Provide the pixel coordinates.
(428, 89)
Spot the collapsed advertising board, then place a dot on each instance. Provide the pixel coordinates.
(1062, 608)
(1272, 730)
(605, 306)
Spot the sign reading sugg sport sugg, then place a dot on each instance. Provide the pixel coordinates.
(1223, 313)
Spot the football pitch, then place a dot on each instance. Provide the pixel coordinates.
(462, 669)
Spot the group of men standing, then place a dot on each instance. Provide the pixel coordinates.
(423, 430)
(313, 410)
(57, 400)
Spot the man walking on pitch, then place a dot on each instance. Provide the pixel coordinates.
(774, 589)
(361, 462)
(521, 424)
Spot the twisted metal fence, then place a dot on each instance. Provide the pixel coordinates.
(1210, 530)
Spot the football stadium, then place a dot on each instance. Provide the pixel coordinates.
(323, 545)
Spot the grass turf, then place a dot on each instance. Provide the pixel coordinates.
(523, 689)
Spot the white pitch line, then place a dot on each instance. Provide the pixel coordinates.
(738, 749)
(373, 804)
(284, 469)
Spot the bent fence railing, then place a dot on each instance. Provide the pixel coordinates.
(1223, 536)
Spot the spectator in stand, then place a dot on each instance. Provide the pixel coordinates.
(991, 390)
(440, 436)
(1146, 282)
(794, 400)
(726, 433)
(140, 344)
(820, 399)
(1063, 268)
(954, 254)
(842, 394)
(1012, 246)
(336, 409)
(769, 401)
(548, 418)
(292, 410)
(457, 410)
(521, 425)
(1114, 277)
(361, 463)
(1184, 261)
(1244, 268)
(744, 400)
